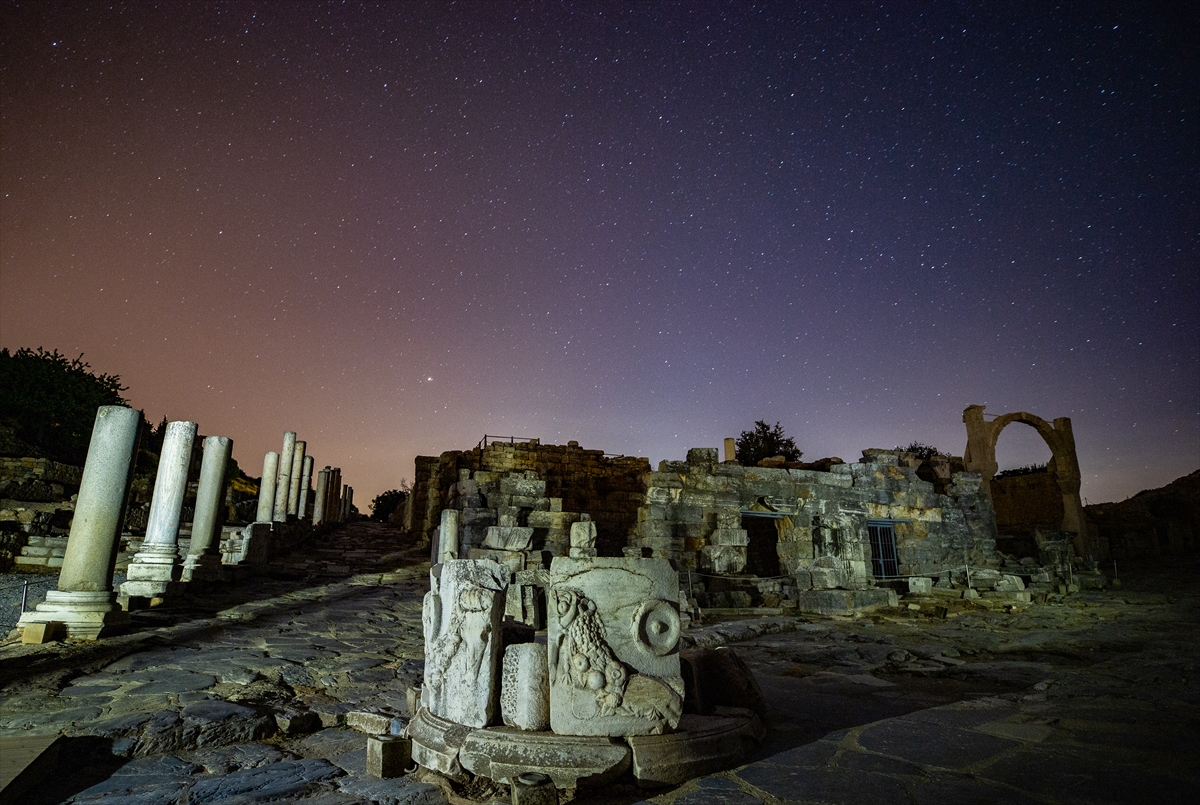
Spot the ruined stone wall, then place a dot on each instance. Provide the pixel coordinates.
(37, 479)
(693, 514)
(608, 488)
(1025, 503)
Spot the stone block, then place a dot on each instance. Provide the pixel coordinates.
(461, 616)
(1009, 584)
(844, 602)
(613, 637)
(737, 537)
(370, 723)
(525, 687)
(559, 521)
(719, 678)
(513, 561)
(920, 586)
(47, 632)
(556, 504)
(723, 559)
(583, 535)
(508, 538)
(388, 755)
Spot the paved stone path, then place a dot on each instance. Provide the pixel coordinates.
(1094, 700)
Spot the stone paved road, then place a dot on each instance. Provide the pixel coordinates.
(1093, 700)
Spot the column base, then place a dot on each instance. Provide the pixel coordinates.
(85, 615)
(201, 567)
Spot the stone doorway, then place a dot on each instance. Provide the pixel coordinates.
(762, 554)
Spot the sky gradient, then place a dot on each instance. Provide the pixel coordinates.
(395, 228)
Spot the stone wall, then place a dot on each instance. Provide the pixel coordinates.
(37, 479)
(608, 488)
(1024, 504)
(694, 509)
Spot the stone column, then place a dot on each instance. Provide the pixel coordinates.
(344, 506)
(283, 483)
(84, 600)
(349, 502)
(306, 475)
(297, 474)
(333, 508)
(321, 496)
(154, 568)
(266, 488)
(204, 558)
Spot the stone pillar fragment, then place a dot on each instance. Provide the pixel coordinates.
(447, 541)
(583, 539)
(731, 449)
(266, 488)
(461, 615)
(203, 559)
(283, 479)
(321, 496)
(306, 473)
(525, 687)
(155, 567)
(296, 477)
(84, 600)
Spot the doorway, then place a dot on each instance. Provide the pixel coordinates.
(762, 555)
(885, 562)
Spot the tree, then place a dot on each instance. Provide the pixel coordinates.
(52, 400)
(386, 503)
(765, 442)
(921, 451)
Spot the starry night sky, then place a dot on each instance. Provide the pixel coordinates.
(395, 228)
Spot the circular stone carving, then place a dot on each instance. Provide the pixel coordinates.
(657, 627)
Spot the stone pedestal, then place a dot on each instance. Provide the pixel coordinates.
(295, 477)
(155, 569)
(283, 478)
(204, 560)
(266, 488)
(583, 540)
(84, 601)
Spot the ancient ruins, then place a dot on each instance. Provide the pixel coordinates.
(571, 639)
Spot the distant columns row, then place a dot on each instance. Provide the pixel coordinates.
(85, 602)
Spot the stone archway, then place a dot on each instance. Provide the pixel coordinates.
(980, 457)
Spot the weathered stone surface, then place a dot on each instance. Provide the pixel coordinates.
(525, 687)
(501, 753)
(610, 617)
(369, 723)
(920, 586)
(145, 781)
(391, 792)
(508, 538)
(275, 781)
(462, 615)
(437, 741)
(844, 602)
(701, 745)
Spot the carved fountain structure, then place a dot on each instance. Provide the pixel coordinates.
(599, 696)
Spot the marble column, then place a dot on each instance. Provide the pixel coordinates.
(204, 556)
(266, 488)
(344, 505)
(321, 496)
(84, 600)
(155, 568)
(306, 474)
(283, 483)
(296, 477)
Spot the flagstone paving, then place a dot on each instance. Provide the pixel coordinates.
(250, 694)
